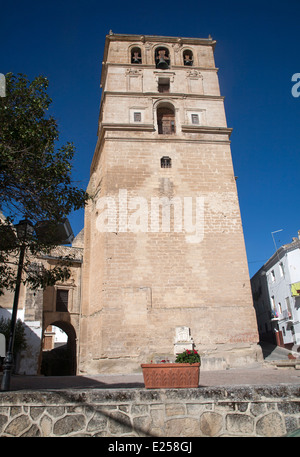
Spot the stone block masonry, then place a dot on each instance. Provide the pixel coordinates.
(163, 246)
(240, 411)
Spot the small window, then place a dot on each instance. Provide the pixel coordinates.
(62, 300)
(137, 117)
(288, 305)
(281, 269)
(279, 307)
(136, 56)
(195, 119)
(273, 303)
(188, 58)
(273, 276)
(164, 85)
(166, 162)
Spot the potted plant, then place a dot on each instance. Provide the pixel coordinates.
(184, 372)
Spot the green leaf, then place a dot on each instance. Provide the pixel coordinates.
(35, 175)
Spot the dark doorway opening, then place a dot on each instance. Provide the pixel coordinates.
(61, 360)
(165, 121)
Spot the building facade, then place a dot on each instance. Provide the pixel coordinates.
(276, 296)
(161, 261)
(39, 310)
(163, 239)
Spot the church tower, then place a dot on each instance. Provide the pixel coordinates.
(164, 246)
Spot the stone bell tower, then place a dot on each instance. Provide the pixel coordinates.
(164, 244)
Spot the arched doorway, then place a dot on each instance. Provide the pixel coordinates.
(166, 119)
(61, 360)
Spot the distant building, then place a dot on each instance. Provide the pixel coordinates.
(276, 296)
(45, 312)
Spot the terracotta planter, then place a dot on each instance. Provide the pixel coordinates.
(170, 375)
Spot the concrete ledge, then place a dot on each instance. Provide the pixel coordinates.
(287, 364)
(205, 411)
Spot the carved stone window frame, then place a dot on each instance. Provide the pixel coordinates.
(134, 73)
(165, 75)
(194, 75)
(136, 109)
(69, 288)
(201, 113)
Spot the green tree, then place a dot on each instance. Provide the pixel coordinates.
(35, 179)
(20, 338)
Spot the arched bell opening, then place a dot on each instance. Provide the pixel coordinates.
(136, 56)
(162, 58)
(188, 59)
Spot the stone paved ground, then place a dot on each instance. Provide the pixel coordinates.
(266, 373)
(251, 376)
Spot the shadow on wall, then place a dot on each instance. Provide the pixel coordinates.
(57, 362)
(26, 361)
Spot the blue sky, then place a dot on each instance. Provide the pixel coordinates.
(257, 51)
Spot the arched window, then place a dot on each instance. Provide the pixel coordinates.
(162, 58)
(166, 120)
(136, 56)
(188, 58)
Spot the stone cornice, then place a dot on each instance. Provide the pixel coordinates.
(206, 129)
(153, 67)
(150, 128)
(128, 126)
(162, 95)
(169, 139)
(161, 39)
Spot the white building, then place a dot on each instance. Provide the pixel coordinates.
(276, 296)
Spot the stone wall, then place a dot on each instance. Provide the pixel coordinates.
(222, 411)
(163, 247)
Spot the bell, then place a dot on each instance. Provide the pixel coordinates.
(135, 58)
(162, 64)
(187, 61)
